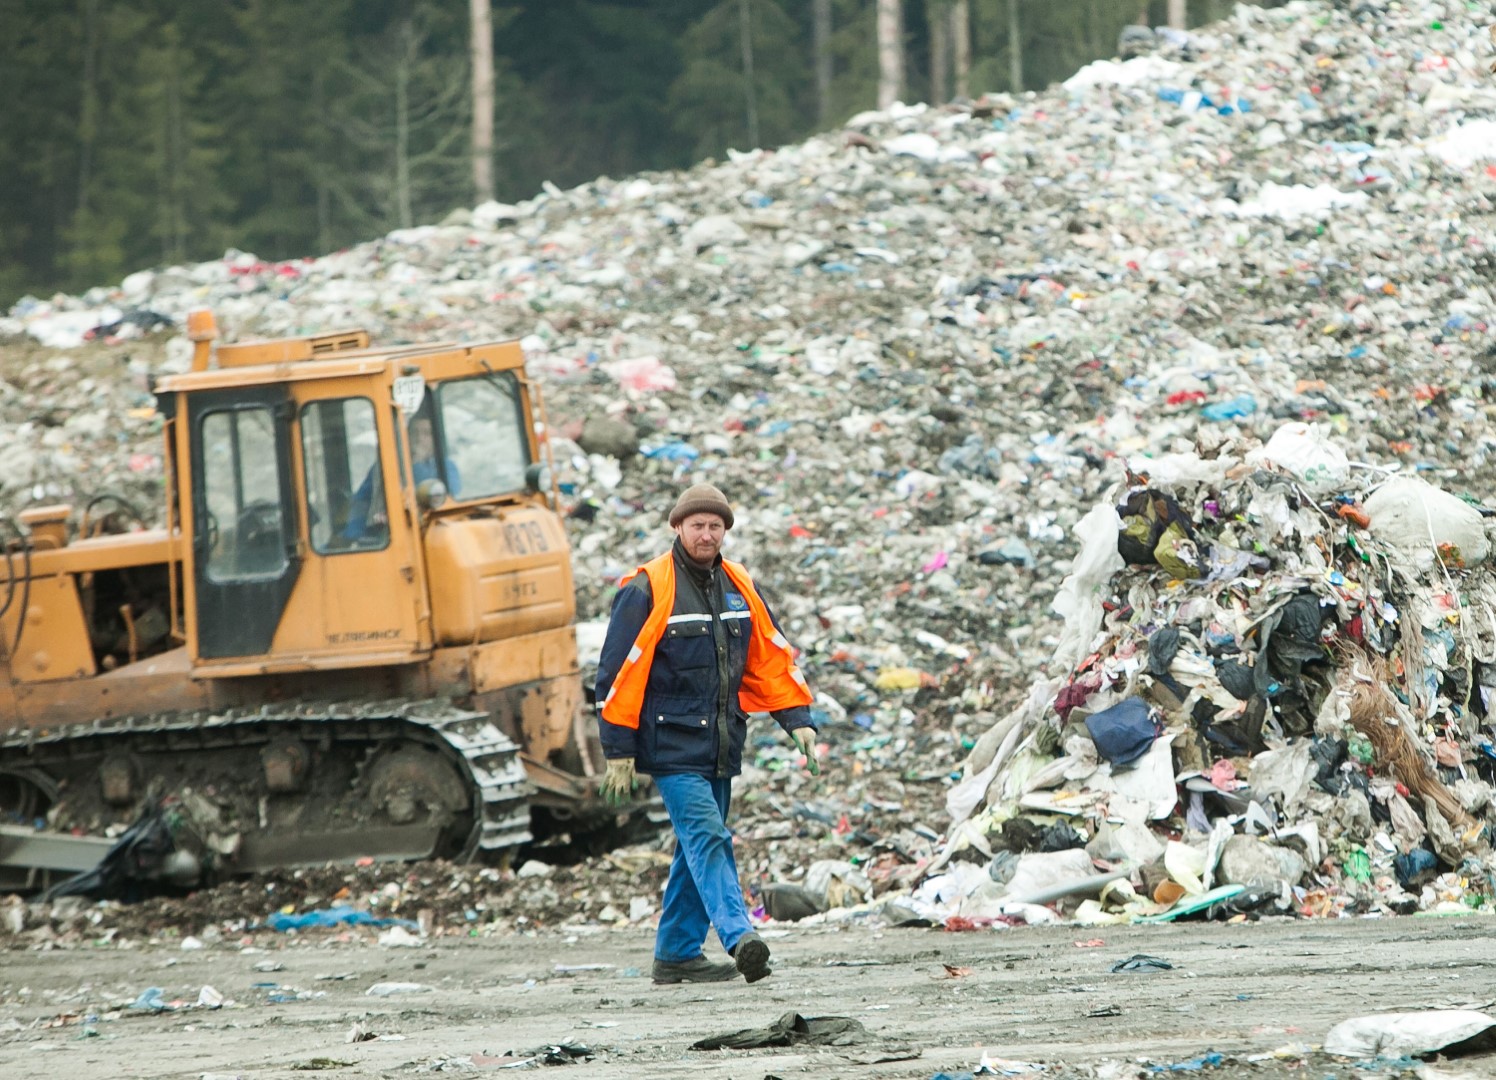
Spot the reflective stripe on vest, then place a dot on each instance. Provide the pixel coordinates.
(771, 681)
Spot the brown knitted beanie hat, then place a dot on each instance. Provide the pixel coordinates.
(701, 499)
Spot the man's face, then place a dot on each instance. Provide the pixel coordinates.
(422, 445)
(702, 536)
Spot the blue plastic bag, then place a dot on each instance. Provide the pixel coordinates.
(1124, 732)
(1238, 407)
(342, 915)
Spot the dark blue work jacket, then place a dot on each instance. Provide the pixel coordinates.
(690, 721)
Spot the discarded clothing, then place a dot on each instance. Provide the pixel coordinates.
(791, 1029)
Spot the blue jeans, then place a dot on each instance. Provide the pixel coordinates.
(702, 891)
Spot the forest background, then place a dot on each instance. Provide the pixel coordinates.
(137, 133)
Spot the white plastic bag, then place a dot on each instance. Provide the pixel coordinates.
(1079, 598)
(1147, 783)
(1171, 471)
(993, 749)
(1041, 871)
(1186, 865)
(837, 884)
(1418, 517)
(1285, 772)
(1305, 452)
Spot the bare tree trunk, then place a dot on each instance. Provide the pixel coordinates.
(821, 46)
(936, 13)
(88, 118)
(890, 52)
(1015, 49)
(174, 227)
(1179, 14)
(403, 65)
(961, 46)
(745, 31)
(482, 30)
(324, 192)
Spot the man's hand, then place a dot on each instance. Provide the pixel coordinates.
(805, 740)
(620, 782)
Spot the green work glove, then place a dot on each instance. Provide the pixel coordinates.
(805, 740)
(620, 782)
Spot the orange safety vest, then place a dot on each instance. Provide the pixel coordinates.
(771, 681)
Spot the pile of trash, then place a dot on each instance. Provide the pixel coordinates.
(391, 905)
(916, 351)
(1272, 692)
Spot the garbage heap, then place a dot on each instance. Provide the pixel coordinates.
(913, 350)
(907, 348)
(1272, 691)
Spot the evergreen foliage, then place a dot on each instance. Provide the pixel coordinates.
(152, 132)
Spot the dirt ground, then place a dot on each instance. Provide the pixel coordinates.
(1260, 994)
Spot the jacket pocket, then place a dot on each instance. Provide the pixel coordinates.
(739, 631)
(682, 740)
(689, 645)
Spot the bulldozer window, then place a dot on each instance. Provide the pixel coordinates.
(242, 489)
(483, 434)
(346, 505)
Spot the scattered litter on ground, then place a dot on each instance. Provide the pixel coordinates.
(1211, 1060)
(397, 937)
(391, 989)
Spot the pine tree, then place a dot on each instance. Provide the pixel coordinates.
(855, 53)
(39, 78)
(276, 140)
(710, 100)
(113, 182)
(598, 71)
(404, 113)
(183, 145)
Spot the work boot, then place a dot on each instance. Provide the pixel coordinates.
(752, 957)
(692, 971)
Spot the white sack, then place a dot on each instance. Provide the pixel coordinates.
(1404, 1034)
(1408, 513)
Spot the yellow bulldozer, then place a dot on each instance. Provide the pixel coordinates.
(352, 638)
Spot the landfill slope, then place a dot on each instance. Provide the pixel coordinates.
(916, 351)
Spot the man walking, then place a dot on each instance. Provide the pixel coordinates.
(691, 650)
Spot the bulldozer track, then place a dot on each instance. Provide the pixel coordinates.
(489, 760)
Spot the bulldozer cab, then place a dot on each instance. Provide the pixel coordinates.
(305, 484)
